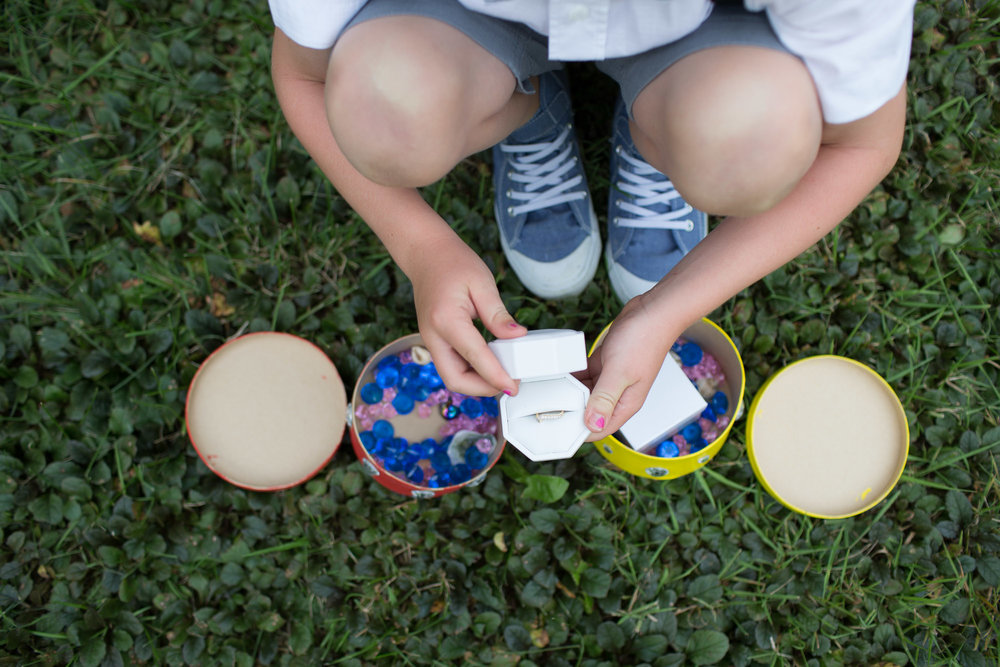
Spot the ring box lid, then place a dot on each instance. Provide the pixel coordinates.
(545, 419)
(266, 411)
(671, 403)
(827, 436)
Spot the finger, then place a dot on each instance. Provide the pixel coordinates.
(455, 370)
(494, 315)
(467, 342)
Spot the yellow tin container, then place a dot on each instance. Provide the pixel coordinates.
(716, 342)
(827, 437)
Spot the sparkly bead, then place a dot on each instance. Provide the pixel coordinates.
(490, 406)
(405, 357)
(439, 480)
(485, 445)
(389, 394)
(475, 458)
(472, 408)
(429, 377)
(424, 410)
(403, 404)
(410, 458)
(383, 429)
(667, 449)
(461, 473)
(415, 474)
(723, 421)
(440, 461)
(371, 393)
(709, 414)
(697, 445)
(449, 411)
(367, 439)
(720, 403)
(438, 397)
(388, 411)
(690, 354)
(710, 434)
(705, 425)
(691, 432)
(387, 377)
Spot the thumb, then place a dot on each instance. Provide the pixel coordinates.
(598, 416)
(494, 316)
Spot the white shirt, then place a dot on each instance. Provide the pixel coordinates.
(857, 51)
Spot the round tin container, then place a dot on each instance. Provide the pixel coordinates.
(714, 341)
(414, 427)
(267, 411)
(827, 437)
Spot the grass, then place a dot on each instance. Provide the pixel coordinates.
(154, 204)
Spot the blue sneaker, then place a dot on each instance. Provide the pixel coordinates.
(548, 229)
(650, 226)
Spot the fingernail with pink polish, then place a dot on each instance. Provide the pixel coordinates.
(508, 392)
(597, 423)
(513, 325)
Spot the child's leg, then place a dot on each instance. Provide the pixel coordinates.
(408, 97)
(735, 127)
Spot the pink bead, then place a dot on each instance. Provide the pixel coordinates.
(710, 435)
(388, 412)
(388, 394)
(705, 424)
(722, 422)
(405, 357)
(485, 445)
(424, 410)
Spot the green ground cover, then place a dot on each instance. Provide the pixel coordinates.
(153, 204)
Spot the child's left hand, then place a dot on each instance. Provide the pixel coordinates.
(621, 371)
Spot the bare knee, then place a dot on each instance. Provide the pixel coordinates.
(389, 114)
(741, 129)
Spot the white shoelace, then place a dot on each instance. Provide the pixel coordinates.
(648, 192)
(543, 169)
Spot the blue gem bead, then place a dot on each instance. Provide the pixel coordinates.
(381, 447)
(387, 377)
(429, 377)
(475, 458)
(691, 432)
(410, 372)
(449, 411)
(415, 474)
(461, 473)
(394, 463)
(367, 439)
(403, 404)
(709, 414)
(371, 393)
(720, 403)
(690, 354)
(383, 429)
(472, 408)
(391, 361)
(697, 445)
(676, 347)
(438, 480)
(410, 458)
(440, 461)
(667, 449)
(427, 448)
(490, 406)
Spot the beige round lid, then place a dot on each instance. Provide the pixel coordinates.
(827, 437)
(266, 411)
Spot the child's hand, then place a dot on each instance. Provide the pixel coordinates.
(450, 290)
(622, 369)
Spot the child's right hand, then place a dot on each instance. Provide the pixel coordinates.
(451, 288)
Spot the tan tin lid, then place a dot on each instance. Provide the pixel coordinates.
(266, 411)
(827, 437)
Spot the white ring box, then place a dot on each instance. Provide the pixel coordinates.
(671, 403)
(545, 419)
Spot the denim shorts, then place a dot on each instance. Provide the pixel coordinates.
(525, 51)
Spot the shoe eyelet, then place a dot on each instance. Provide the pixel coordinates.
(509, 194)
(618, 202)
(690, 226)
(618, 150)
(510, 210)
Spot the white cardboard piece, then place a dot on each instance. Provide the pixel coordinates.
(671, 403)
(544, 421)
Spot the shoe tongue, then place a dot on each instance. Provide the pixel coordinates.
(544, 125)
